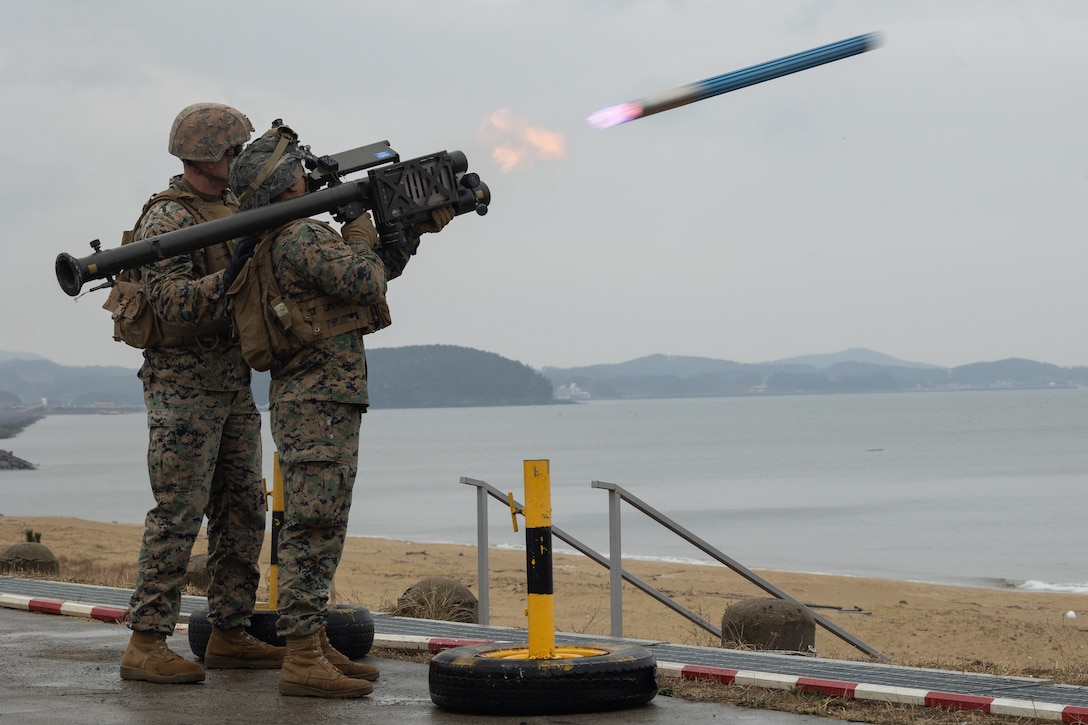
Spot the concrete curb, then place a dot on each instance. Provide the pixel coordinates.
(880, 693)
(54, 606)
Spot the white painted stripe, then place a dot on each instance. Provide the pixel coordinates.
(15, 601)
(405, 641)
(672, 669)
(888, 693)
(76, 609)
(1026, 708)
(766, 679)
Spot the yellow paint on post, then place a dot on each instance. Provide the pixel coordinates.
(538, 556)
(538, 494)
(277, 524)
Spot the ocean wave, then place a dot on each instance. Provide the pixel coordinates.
(1033, 585)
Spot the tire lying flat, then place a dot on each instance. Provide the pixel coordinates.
(350, 629)
(500, 679)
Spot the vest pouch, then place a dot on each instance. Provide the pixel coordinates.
(134, 322)
(285, 316)
(262, 317)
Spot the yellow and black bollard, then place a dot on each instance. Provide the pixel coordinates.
(538, 560)
(276, 494)
(541, 678)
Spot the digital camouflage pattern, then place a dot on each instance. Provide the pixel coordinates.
(203, 457)
(310, 260)
(318, 444)
(204, 131)
(249, 164)
(204, 451)
(181, 292)
(317, 399)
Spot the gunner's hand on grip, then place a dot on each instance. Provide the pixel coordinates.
(361, 229)
(438, 221)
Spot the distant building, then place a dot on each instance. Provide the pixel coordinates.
(570, 392)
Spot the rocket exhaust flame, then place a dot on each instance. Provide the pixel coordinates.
(516, 145)
(692, 92)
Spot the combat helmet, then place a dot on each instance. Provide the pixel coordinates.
(267, 167)
(205, 131)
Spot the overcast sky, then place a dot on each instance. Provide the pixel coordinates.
(926, 199)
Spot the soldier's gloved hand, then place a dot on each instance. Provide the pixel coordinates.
(439, 219)
(361, 229)
(243, 250)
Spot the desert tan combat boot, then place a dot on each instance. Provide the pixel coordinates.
(238, 649)
(306, 672)
(148, 658)
(339, 660)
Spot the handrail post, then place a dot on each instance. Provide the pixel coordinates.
(482, 578)
(615, 568)
(483, 598)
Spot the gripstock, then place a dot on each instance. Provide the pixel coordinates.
(399, 194)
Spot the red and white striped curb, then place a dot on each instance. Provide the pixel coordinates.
(880, 693)
(835, 688)
(55, 606)
(413, 643)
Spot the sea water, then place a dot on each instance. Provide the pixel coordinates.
(981, 488)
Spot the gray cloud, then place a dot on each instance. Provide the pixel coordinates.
(923, 199)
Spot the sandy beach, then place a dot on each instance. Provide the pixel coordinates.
(1002, 631)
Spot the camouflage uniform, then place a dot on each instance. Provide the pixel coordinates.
(204, 452)
(317, 398)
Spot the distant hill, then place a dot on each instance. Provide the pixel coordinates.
(852, 371)
(437, 376)
(406, 377)
(854, 355)
(28, 381)
(445, 376)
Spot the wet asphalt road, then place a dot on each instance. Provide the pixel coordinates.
(58, 669)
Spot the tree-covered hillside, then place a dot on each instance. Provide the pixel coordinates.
(441, 376)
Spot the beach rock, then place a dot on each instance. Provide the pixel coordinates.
(437, 598)
(769, 624)
(29, 558)
(10, 462)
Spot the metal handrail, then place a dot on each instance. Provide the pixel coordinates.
(614, 563)
(484, 489)
(617, 493)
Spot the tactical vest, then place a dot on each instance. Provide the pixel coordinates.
(271, 326)
(134, 321)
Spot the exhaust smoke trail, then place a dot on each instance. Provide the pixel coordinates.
(516, 145)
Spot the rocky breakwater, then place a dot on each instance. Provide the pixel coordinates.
(11, 422)
(11, 462)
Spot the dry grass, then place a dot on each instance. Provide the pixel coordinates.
(84, 571)
(434, 603)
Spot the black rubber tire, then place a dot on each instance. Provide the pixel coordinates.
(465, 679)
(350, 629)
(200, 629)
(262, 625)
